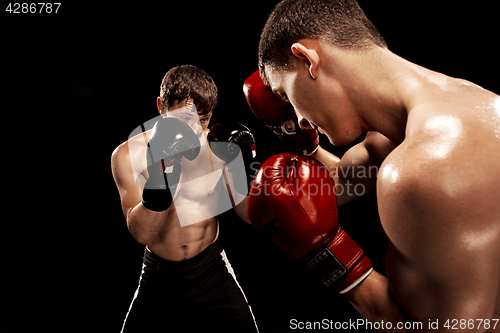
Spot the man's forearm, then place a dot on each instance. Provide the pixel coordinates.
(144, 225)
(373, 300)
(326, 158)
(241, 210)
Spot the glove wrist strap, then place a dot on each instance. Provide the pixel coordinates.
(341, 264)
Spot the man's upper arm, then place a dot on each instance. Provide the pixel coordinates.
(356, 172)
(130, 193)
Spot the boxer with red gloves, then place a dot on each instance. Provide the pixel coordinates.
(437, 192)
(306, 228)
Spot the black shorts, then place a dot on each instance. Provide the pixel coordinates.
(199, 294)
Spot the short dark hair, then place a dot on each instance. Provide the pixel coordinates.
(341, 22)
(189, 81)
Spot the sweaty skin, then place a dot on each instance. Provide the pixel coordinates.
(452, 216)
(437, 190)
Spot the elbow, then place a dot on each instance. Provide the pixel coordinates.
(144, 228)
(141, 236)
(142, 239)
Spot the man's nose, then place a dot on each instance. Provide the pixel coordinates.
(303, 122)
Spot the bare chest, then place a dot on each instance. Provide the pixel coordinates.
(200, 177)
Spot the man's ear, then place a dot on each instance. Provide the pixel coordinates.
(160, 106)
(308, 56)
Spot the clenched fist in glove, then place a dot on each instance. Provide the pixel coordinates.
(279, 116)
(293, 199)
(171, 139)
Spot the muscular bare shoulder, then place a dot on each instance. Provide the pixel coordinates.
(132, 146)
(120, 161)
(444, 179)
(130, 156)
(438, 190)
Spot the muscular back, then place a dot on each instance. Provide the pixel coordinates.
(440, 206)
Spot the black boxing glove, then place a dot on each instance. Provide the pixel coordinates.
(227, 141)
(170, 140)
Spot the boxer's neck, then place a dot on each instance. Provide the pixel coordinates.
(383, 88)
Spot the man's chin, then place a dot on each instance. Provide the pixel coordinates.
(338, 141)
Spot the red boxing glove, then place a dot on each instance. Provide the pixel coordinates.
(279, 116)
(293, 199)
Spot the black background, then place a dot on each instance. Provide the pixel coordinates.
(76, 83)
